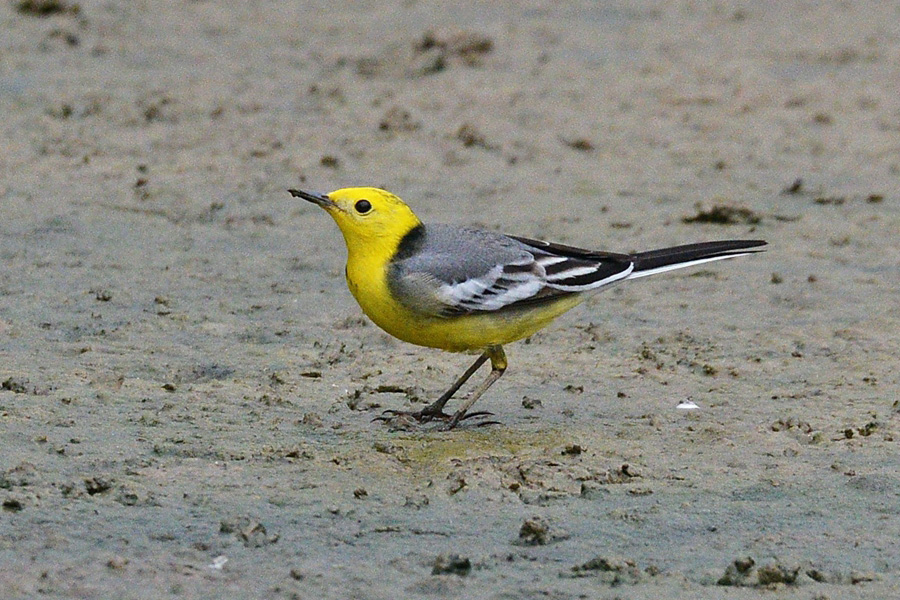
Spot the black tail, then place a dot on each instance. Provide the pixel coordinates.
(677, 257)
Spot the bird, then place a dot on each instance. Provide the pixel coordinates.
(465, 289)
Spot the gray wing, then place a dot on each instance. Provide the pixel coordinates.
(446, 270)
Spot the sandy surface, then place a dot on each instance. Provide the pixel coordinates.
(188, 388)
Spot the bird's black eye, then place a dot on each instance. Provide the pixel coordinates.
(362, 206)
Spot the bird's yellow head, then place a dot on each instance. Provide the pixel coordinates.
(370, 219)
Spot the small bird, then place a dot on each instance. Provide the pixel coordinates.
(464, 289)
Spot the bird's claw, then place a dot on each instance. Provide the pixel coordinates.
(457, 418)
(421, 416)
(425, 416)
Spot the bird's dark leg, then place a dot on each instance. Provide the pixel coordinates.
(435, 410)
(498, 367)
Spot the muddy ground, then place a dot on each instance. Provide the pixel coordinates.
(188, 388)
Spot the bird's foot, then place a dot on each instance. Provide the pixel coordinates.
(460, 416)
(426, 416)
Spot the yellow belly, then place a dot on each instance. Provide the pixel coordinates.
(457, 333)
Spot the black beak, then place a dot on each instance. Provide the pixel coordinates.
(320, 199)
